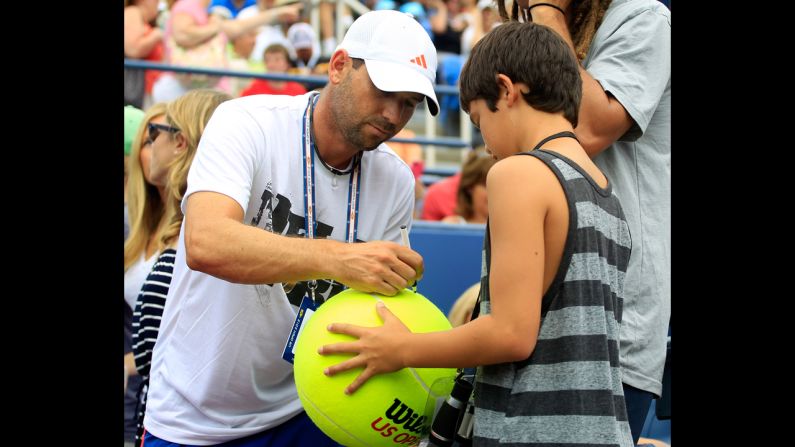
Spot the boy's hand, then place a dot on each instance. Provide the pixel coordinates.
(377, 348)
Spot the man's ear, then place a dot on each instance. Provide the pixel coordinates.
(508, 90)
(336, 65)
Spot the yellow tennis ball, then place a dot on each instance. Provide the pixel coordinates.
(392, 409)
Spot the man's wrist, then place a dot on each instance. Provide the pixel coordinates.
(327, 253)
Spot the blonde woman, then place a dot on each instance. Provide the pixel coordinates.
(174, 140)
(145, 203)
(145, 213)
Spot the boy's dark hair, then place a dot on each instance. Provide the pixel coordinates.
(528, 53)
(276, 48)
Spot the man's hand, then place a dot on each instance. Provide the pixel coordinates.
(378, 266)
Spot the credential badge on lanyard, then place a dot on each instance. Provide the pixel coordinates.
(309, 303)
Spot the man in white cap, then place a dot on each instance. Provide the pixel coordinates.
(307, 48)
(278, 186)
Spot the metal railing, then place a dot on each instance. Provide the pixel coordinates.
(429, 140)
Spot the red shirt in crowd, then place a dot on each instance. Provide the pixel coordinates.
(440, 200)
(263, 87)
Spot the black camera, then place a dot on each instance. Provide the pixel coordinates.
(446, 423)
(466, 427)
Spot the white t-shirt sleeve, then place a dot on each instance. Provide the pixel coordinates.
(227, 156)
(633, 63)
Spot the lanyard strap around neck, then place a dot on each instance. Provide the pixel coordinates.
(354, 184)
(554, 136)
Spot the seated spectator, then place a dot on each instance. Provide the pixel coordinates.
(144, 42)
(449, 19)
(472, 205)
(195, 38)
(277, 60)
(307, 50)
(486, 19)
(238, 55)
(275, 31)
(440, 198)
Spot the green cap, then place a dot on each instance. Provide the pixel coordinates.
(132, 120)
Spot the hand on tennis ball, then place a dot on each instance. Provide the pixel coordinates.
(375, 348)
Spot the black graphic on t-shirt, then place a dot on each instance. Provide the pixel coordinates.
(280, 220)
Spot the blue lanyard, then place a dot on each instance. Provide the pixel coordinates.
(354, 183)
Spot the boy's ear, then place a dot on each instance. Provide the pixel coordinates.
(508, 90)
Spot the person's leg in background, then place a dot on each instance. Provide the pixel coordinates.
(638, 403)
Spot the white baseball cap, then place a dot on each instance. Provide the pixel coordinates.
(397, 51)
(301, 35)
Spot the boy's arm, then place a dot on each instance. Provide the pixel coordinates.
(518, 202)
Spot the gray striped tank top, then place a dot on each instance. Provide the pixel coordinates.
(568, 392)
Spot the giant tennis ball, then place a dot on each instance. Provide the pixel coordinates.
(392, 409)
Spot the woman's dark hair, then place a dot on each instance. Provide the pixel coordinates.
(586, 16)
(473, 173)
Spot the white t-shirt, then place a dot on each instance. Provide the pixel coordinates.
(217, 372)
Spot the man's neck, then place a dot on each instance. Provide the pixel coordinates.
(330, 143)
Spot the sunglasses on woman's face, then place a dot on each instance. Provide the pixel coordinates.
(155, 129)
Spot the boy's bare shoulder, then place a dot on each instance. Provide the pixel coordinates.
(521, 170)
(523, 182)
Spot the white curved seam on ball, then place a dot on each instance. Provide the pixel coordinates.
(419, 379)
(332, 420)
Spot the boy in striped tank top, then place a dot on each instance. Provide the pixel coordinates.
(556, 249)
